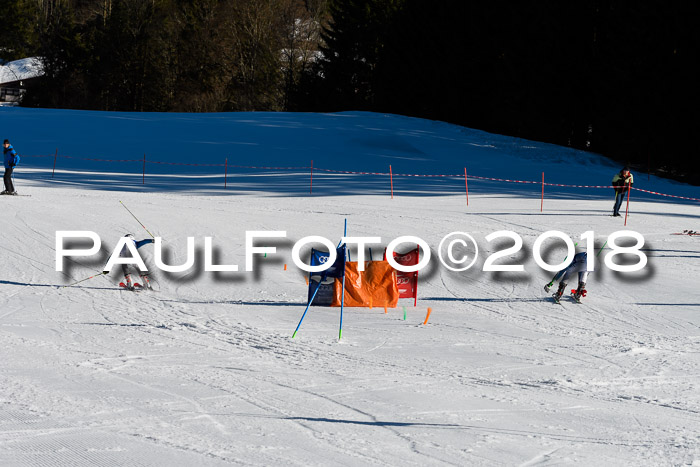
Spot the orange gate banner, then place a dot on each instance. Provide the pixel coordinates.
(375, 286)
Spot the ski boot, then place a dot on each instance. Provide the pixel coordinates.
(146, 283)
(548, 287)
(127, 284)
(580, 292)
(557, 295)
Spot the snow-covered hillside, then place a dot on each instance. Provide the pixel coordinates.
(204, 371)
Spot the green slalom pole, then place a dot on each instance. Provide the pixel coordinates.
(404, 313)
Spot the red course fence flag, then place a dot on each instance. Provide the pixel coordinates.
(466, 185)
(391, 178)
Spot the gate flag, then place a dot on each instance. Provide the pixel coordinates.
(407, 281)
(324, 280)
(376, 286)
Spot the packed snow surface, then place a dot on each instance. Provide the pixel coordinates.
(204, 371)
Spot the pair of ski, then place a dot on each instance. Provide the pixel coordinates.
(692, 233)
(557, 299)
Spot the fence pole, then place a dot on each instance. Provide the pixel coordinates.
(466, 185)
(391, 178)
(225, 171)
(627, 210)
(311, 186)
(143, 181)
(542, 203)
(54, 163)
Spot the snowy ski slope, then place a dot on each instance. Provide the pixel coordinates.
(204, 371)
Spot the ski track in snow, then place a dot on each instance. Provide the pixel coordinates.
(204, 370)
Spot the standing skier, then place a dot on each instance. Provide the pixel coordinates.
(622, 181)
(11, 160)
(580, 265)
(125, 267)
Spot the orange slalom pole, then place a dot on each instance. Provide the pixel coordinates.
(427, 316)
(54, 163)
(391, 178)
(311, 187)
(466, 185)
(627, 210)
(542, 204)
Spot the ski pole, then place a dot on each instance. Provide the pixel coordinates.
(137, 219)
(83, 280)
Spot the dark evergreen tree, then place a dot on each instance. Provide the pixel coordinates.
(354, 42)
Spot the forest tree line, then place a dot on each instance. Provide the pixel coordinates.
(613, 77)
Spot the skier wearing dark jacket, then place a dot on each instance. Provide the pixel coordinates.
(11, 160)
(622, 181)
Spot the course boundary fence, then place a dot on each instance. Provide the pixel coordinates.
(390, 174)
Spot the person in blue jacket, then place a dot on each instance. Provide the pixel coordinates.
(11, 161)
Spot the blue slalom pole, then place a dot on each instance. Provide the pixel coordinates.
(307, 307)
(342, 291)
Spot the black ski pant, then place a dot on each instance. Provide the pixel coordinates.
(8, 180)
